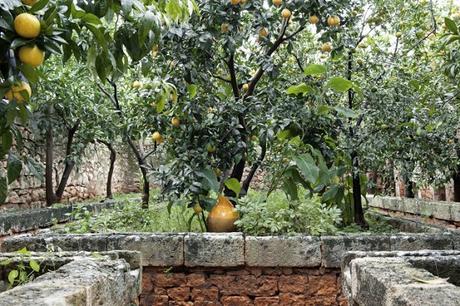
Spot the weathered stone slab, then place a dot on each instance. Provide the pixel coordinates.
(214, 250)
(334, 247)
(421, 241)
(411, 206)
(80, 282)
(156, 249)
(455, 212)
(283, 251)
(441, 210)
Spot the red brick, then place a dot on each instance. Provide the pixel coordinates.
(147, 284)
(256, 272)
(160, 291)
(293, 283)
(168, 280)
(266, 301)
(205, 294)
(264, 286)
(221, 281)
(155, 300)
(324, 285)
(196, 279)
(238, 272)
(179, 293)
(292, 299)
(236, 301)
(205, 303)
(241, 285)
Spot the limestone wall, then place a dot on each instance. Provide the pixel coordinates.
(88, 179)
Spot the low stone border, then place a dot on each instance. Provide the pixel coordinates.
(27, 220)
(445, 214)
(79, 279)
(235, 249)
(395, 278)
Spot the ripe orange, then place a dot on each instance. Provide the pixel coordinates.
(27, 25)
(175, 122)
(277, 2)
(263, 32)
(245, 87)
(18, 92)
(333, 21)
(286, 13)
(313, 19)
(29, 2)
(156, 137)
(326, 47)
(31, 55)
(235, 2)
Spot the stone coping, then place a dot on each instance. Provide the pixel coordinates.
(20, 221)
(396, 278)
(234, 249)
(82, 280)
(441, 210)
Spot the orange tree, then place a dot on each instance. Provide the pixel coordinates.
(108, 35)
(231, 66)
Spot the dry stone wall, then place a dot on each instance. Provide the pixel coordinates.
(88, 179)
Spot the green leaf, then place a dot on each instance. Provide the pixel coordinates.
(346, 112)
(34, 265)
(90, 18)
(330, 193)
(192, 90)
(233, 185)
(339, 84)
(209, 179)
(314, 69)
(299, 89)
(38, 6)
(23, 251)
(307, 167)
(14, 168)
(30, 73)
(450, 24)
(12, 276)
(290, 188)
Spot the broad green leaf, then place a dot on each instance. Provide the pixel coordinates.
(450, 24)
(38, 6)
(307, 167)
(34, 265)
(12, 276)
(346, 112)
(192, 90)
(299, 89)
(209, 179)
(233, 185)
(23, 251)
(339, 84)
(290, 188)
(330, 193)
(14, 168)
(314, 69)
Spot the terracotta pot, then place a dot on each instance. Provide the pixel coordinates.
(222, 216)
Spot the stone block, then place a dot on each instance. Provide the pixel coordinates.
(375, 202)
(214, 250)
(335, 247)
(283, 251)
(411, 206)
(455, 212)
(421, 241)
(156, 249)
(441, 210)
(426, 209)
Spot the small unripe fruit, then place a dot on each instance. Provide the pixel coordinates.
(156, 137)
(326, 47)
(263, 32)
(398, 34)
(137, 85)
(245, 87)
(175, 122)
(197, 208)
(333, 21)
(313, 19)
(210, 148)
(224, 28)
(286, 13)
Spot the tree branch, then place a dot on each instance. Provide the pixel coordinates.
(231, 68)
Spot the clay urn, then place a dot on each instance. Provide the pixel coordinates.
(222, 216)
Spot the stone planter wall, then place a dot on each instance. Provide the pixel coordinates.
(438, 213)
(233, 269)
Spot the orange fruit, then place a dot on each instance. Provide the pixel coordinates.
(313, 19)
(333, 21)
(263, 32)
(31, 55)
(18, 92)
(277, 2)
(175, 122)
(326, 47)
(286, 13)
(27, 25)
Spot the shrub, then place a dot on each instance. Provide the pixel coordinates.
(275, 214)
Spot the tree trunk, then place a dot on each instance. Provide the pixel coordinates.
(113, 157)
(237, 173)
(69, 163)
(146, 189)
(357, 201)
(409, 189)
(456, 179)
(49, 158)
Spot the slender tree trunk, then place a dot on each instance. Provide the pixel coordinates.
(409, 189)
(456, 179)
(49, 159)
(113, 157)
(143, 168)
(357, 200)
(69, 162)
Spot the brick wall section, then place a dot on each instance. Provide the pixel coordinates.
(241, 286)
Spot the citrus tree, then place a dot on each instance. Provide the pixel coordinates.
(107, 35)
